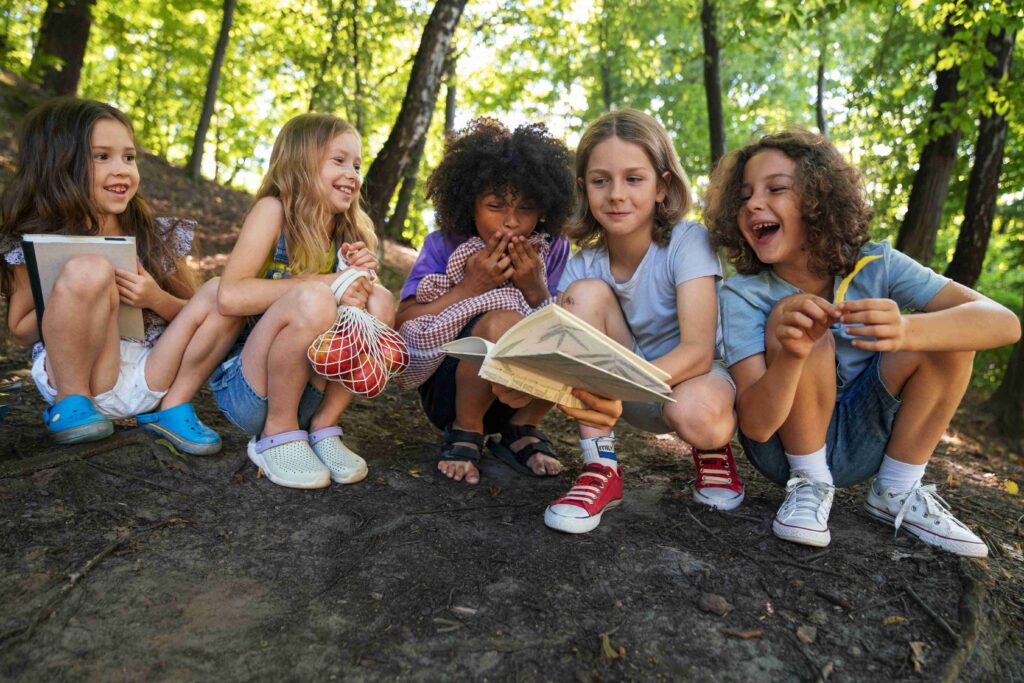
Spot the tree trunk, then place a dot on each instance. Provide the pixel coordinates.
(396, 224)
(450, 95)
(417, 109)
(712, 85)
(327, 58)
(360, 105)
(195, 160)
(607, 90)
(819, 105)
(938, 158)
(60, 50)
(1007, 403)
(983, 186)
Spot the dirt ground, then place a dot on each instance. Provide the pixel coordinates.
(125, 562)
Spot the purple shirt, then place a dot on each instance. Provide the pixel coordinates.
(438, 248)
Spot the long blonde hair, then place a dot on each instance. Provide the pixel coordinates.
(638, 128)
(294, 179)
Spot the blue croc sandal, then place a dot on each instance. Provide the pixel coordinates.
(75, 420)
(183, 429)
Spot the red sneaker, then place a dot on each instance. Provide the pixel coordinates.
(598, 488)
(718, 484)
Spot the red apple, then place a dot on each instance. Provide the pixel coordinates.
(394, 353)
(367, 376)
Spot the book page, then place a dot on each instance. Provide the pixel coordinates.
(529, 382)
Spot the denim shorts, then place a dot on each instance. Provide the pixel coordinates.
(246, 409)
(857, 434)
(437, 394)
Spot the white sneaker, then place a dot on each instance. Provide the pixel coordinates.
(803, 517)
(287, 460)
(346, 467)
(924, 513)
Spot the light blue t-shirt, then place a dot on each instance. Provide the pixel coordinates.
(648, 298)
(745, 302)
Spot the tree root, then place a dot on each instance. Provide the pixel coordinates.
(971, 615)
(28, 466)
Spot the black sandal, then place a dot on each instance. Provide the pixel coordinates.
(502, 448)
(450, 450)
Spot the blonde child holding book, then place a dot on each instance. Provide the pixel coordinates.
(77, 175)
(834, 392)
(279, 274)
(647, 278)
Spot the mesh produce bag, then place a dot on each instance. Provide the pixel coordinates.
(358, 350)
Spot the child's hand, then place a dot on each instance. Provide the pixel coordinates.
(878, 318)
(513, 398)
(358, 256)
(490, 267)
(527, 266)
(357, 294)
(600, 412)
(804, 320)
(137, 289)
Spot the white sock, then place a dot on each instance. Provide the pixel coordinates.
(814, 465)
(900, 476)
(600, 449)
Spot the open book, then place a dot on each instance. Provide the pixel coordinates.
(45, 256)
(548, 353)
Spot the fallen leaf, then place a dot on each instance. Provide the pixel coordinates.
(1011, 487)
(609, 651)
(170, 446)
(952, 482)
(464, 611)
(806, 634)
(414, 473)
(259, 473)
(743, 635)
(715, 604)
(917, 649)
(896, 620)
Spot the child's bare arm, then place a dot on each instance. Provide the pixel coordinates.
(21, 309)
(697, 310)
(955, 319)
(765, 393)
(241, 292)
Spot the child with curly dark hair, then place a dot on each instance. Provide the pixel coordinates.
(501, 198)
(835, 383)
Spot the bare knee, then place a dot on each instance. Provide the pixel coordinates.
(381, 305)
(310, 305)
(588, 294)
(495, 323)
(87, 275)
(702, 423)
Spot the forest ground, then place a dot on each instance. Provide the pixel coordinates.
(124, 561)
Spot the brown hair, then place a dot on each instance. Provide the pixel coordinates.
(294, 179)
(49, 192)
(638, 128)
(833, 205)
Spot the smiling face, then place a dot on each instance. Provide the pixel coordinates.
(113, 173)
(515, 215)
(340, 177)
(622, 188)
(770, 217)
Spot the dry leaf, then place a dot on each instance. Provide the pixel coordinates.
(895, 620)
(609, 651)
(743, 635)
(259, 473)
(414, 473)
(917, 649)
(806, 634)
(1011, 487)
(952, 482)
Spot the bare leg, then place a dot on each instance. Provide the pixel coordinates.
(931, 385)
(274, 358)
(191, 347)
(336, 401)
(83, 354)
(702, 415)
(381, 305)
(594, 301)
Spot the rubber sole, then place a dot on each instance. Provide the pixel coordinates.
(717, 503)
(184, 445)
(576, 525)
(962, 548)
(257, 459)
(793, 534)
(93, 431)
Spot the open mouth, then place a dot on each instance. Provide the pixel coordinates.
(345, 189)
(764, 231)
(117, 189)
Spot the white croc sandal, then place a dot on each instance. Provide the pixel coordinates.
(287, 460)
(346, 467)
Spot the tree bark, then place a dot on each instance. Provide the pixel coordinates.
(983, 185)
(195, 160)
(396, 223)
(360, 106)
(327, 58)
(935, 168)
(712, 84)
(819, 104)
(417, 109)
(450, 94)
(60, 50)
(1007, 403)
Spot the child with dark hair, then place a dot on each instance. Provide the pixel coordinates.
(835, 383)
(76, 175)
(501, 198)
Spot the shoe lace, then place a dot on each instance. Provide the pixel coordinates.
(934, 504)
(587, 486)
(707, 471)
(804, 494)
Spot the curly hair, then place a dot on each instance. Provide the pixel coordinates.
(643, 130)
(833, 204)
(49, 192)
(485, 157)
